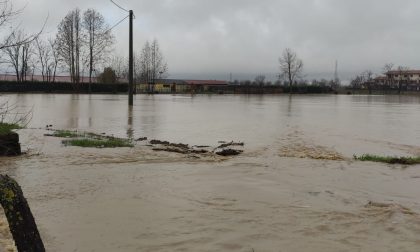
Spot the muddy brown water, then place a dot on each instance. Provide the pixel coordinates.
(295, 188)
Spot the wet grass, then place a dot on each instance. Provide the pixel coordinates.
(91, 140)
(98, 143)
(66, 134)
(6, 128)
(389, 159)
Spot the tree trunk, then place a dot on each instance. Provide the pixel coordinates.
(21, 221)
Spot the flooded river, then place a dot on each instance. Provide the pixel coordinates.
(295, 187)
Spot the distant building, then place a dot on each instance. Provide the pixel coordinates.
(408, 76)
(409, 79)
(179, 86)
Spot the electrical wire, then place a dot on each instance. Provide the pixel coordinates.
(119, 22)
(119, 6)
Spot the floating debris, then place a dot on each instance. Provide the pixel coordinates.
(196, 149)
(166, 143)
(229, 152)
(230, 144)
(180, 150)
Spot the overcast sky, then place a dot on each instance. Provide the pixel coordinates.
(211, 38)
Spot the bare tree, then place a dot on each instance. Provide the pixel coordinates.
(55, 60)
(363, 80)
(368, 80)
(388, 67)
(7, 13)
(48, 59)
(260, 80)
(142, 64)
(98, 39)
(69, 43)
(43, 53)
(18, 55)
(150, 64)
(120, 66)
(358, 81)
(402, 72)
(290, 66)
(386, 70)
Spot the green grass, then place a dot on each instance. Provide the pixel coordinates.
(389, 159)
(6, 128)
(91, 140)
(98, 143)
(66, 134)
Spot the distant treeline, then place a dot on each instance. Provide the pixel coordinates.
(60, 87)
(273, 89)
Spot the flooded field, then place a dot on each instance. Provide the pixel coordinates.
(296, 187)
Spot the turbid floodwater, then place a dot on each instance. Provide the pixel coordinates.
(296, 187)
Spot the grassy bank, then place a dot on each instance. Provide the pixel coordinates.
(389, 159)
(6, 128)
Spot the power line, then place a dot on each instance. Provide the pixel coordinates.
(119, 22)
(119, 6)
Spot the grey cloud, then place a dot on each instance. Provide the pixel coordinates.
(244, 36)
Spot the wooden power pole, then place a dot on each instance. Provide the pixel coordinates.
(130, 59)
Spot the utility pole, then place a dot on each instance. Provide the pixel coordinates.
(130, 62)
(130, 52)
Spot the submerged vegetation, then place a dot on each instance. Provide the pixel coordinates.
(389, 159)
(11, 118)
(90, 140)
(99, 143)
(66, 134)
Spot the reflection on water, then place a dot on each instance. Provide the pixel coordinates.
(130, 128)
(255, 119)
